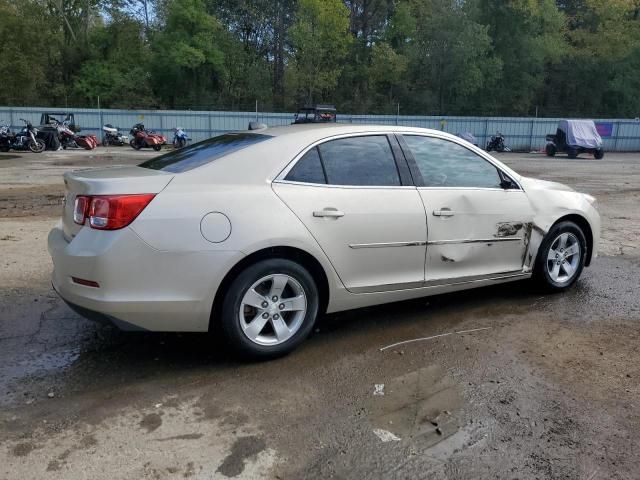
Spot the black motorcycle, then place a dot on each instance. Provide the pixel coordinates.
(25, 139)
(497, 144)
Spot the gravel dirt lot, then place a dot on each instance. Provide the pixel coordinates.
(550, 388)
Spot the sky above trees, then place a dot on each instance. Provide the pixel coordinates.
(430, 57)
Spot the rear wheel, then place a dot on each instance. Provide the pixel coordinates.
(269, 309)
(599, 154)
(561, 257)
(38, 146)
(550, 150)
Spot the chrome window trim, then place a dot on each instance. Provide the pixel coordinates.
(361, 187)
(492, 189)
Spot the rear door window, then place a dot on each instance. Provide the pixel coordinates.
(204, 152)
(308, 169)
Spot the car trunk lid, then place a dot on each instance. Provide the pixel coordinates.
(108, 181)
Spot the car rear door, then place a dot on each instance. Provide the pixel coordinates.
(356, 197)
(478, 218)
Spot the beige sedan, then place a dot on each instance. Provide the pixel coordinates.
(260, 232)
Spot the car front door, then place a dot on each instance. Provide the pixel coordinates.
(355, 196)
(478, 218)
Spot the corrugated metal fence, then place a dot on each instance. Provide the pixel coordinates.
(521, 133)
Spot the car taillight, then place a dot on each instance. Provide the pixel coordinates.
(109, 212)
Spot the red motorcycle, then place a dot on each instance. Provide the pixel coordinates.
(69, 139)
(145, 138)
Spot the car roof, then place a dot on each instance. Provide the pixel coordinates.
(317, 131)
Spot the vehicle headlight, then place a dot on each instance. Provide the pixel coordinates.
(592, 200)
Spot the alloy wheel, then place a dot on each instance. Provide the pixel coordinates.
(273, 309)
(563, 258)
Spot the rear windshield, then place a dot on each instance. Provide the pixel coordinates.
(203, 152)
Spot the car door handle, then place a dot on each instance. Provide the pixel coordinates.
(444, 212)
(328, 212)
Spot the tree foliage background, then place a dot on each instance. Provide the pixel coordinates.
(439, 57)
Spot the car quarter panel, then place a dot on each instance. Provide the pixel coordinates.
(139, 285)
(258, 220)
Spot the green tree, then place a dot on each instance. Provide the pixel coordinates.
(527, 36)
(188, 65)
(117, 71)
(320, 40)
(452, 60)
(28, 37)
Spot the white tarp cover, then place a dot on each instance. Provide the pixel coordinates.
(581, 133)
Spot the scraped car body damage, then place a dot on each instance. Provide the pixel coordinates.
(552, 202)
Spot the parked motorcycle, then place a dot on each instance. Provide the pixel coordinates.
(25, 139)
(497, 143)
(180, 137)
(69, 139)
(112, 136)
(143, 138)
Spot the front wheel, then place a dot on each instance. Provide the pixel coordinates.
(38, 146)
(105, 142)
(270, 308)
(157, 148)
(561, 257)
(134, 145)
(572, 153)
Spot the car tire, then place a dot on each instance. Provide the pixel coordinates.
(555, 270)
(550, 150)
(599, 154)
(572, 153)
(267, 338)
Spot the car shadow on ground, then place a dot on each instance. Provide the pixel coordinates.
(355, 330)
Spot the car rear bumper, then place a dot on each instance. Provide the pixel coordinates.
(140, 288)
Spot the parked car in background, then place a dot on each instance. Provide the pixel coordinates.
(574, 137)
(257, 233)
